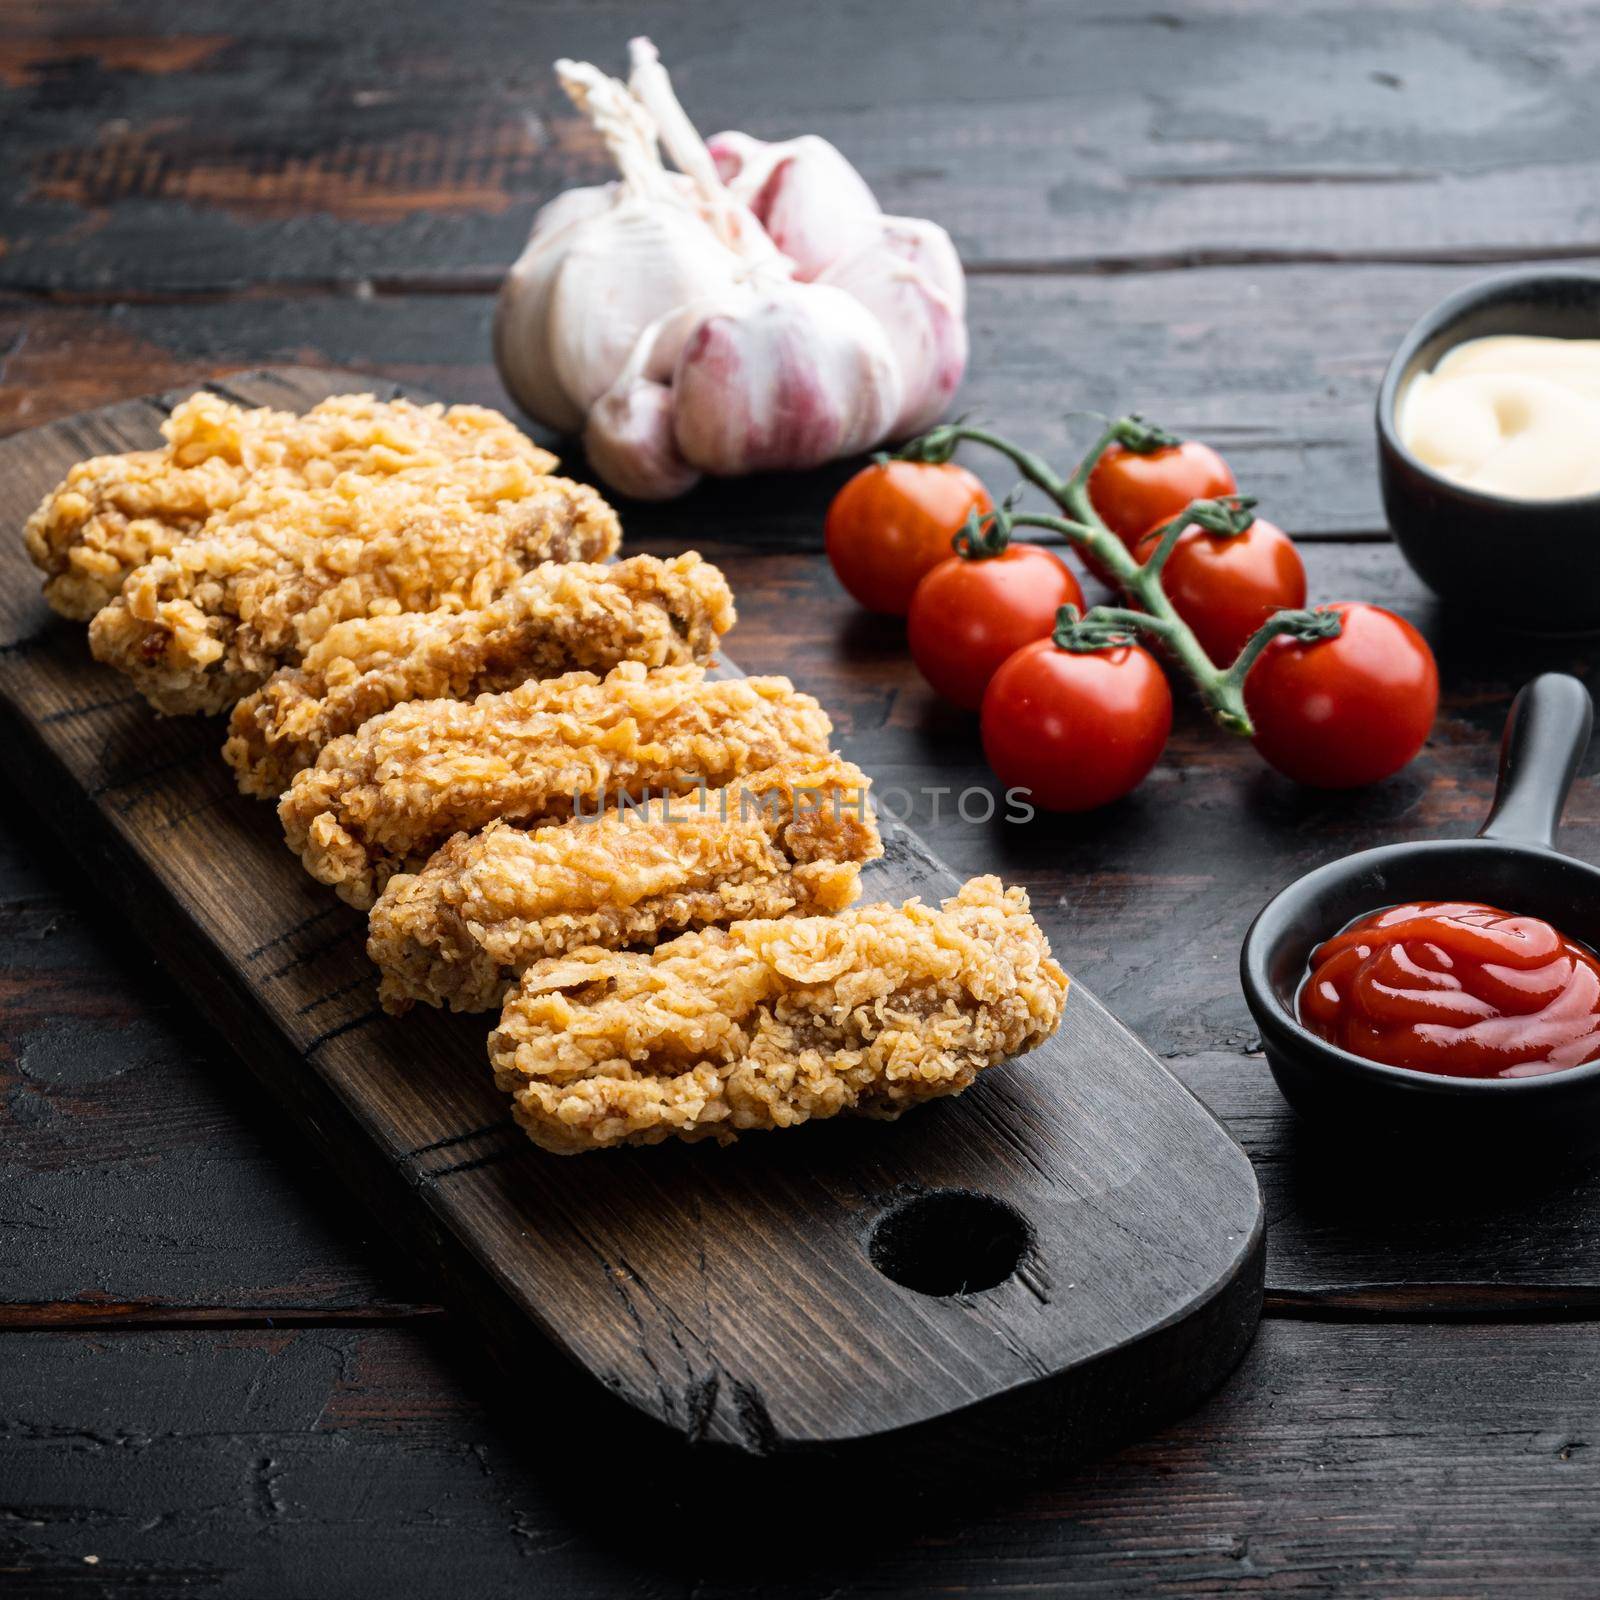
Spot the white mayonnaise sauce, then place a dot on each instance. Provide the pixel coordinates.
(1517, 417)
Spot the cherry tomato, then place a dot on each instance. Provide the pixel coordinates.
(1225, 586)
(893, 522)
(1075, 729)
(1341, 712)
(967, 616)
(1133, 493)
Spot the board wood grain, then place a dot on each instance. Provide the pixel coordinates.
(727, 1294)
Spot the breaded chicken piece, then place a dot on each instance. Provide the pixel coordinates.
(114, 513)
(559, 617)
(768, 1024)
(488, 905)
(200, 628)
(383, 799)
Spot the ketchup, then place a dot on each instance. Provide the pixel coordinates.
(1457, 989)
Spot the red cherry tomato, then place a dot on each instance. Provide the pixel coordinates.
(1133, 493)
(1225, 586)
(968, 616)
(1075, 729)
(893, 522)
(1341, 712)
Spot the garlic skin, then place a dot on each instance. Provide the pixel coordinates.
(568, 207)
(630, 442)
(726, 213)
(522, 313)
(910, 280)
(814, 205)
(753, 311)
(630, 437)
(799, 375)
(603, 264)
(622, 273)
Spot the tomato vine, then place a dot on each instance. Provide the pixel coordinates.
(1153, 614)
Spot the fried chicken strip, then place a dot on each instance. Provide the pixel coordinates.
(114, 513)
(200, 628)
(767, 1024)
(559, 617)
(383, 799)
(488, 905)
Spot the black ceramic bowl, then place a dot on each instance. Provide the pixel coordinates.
(1512, 864)
(1477, 549)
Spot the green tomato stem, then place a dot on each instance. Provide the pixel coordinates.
(1303, 625)
(1224, 697)
(981, 538)
(1221, 689)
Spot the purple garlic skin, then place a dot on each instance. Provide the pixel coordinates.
(629, 441)
(814, 205)
(801, 375)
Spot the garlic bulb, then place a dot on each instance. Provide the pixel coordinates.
(753, 310)
(601, 271)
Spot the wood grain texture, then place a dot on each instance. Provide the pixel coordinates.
(730, 1298)
(320, 1463)
(298, 143)
(1280, 375)
(141, 1179)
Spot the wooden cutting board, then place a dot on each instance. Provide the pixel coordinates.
(1069, 1251)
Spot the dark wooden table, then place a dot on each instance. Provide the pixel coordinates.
(212, 1372)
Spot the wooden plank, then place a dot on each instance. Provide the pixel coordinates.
(139, 1178)
(1427, 1462)
(730, 1298)
(1281, 376)
(293, 143)
(1411, 1235)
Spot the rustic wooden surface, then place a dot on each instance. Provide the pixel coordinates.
(1226, 214)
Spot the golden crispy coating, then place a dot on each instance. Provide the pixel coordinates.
(769, 1024)
(114, 513)
(488, 905)
(554, 619)
(200, 628)
(382, 799)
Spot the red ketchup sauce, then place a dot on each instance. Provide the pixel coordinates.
(1457, 989)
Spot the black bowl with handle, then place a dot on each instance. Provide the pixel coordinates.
(1532, 564)
(1512, 864)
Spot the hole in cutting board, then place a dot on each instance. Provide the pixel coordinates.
(949, 1241)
